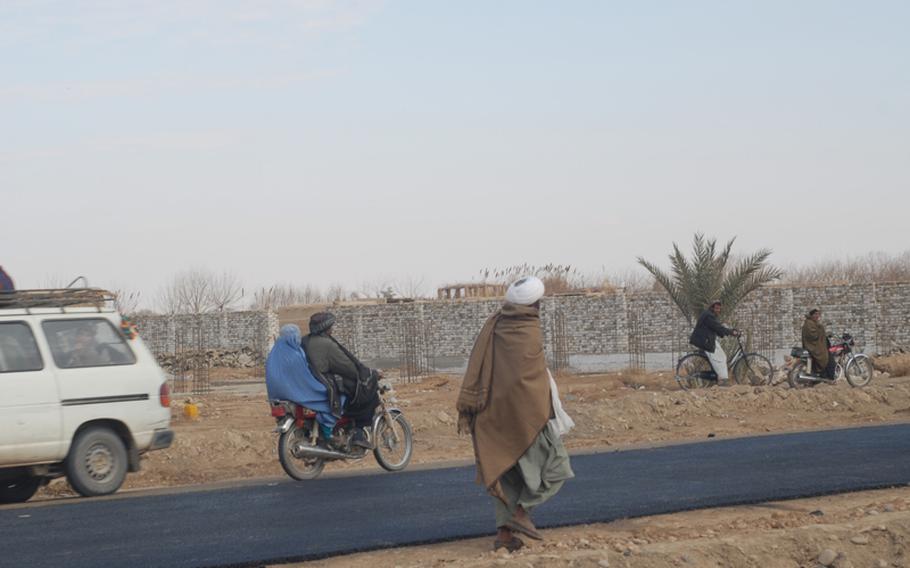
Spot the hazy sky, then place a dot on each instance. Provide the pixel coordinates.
(321, 142)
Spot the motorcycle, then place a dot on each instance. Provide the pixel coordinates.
(855, 367)
(390, 436)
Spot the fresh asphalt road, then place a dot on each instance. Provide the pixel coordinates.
(274, 522)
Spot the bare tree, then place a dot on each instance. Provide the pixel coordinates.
(281, 295)
(190, 292)
(336, 293)
(125, 301)
(872, 267)
(632, 280)
(168, 300)
(557, 278)
(263, 299)
(311, 295)
(225, 290)
(411, 287)
(378, 288)
(194, 288)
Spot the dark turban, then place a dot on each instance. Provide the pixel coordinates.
(321, 322)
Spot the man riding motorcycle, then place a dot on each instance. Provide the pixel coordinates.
(288, 377)
(815, 341)
(334, 364)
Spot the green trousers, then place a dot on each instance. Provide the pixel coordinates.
(538, 475)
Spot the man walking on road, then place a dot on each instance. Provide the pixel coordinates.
(505, 404)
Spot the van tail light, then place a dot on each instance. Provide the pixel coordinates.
(164, 395)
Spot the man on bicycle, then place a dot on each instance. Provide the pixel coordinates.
(707, 329)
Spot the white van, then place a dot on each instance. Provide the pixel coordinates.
(80, 394)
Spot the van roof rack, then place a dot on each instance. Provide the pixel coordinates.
(55, 298)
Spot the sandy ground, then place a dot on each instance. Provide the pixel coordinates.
(233, 439)
(868, 529)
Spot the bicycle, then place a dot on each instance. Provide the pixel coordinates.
(693, 370)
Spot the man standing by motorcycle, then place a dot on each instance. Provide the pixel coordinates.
(707, 329)
(815, 341)
(358, 383)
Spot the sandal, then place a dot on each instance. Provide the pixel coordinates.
(526, 528)
(511, 545)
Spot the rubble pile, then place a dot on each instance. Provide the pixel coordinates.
(243, 358)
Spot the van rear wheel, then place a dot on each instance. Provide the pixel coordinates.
(97, 462)
(19, 489)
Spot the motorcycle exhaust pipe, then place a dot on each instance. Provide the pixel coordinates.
(315, 452)
(813, 378)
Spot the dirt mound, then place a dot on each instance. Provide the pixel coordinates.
(897, 365)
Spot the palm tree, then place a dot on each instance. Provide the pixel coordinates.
(712, 275)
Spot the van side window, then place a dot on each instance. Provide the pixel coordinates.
(86, 343)
(18, 350)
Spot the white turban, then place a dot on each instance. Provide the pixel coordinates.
(526, 291)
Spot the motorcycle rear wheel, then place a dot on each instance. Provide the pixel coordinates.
(794, 380)
(859, 370)
(300, 469)
(393, 444)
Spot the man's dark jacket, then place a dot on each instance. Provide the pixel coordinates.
(327, 358)
(331, 360)
(707, 330)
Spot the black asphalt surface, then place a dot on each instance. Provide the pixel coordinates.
(255, 524)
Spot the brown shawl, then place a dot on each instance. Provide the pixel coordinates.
(506, 391)
(815, 340)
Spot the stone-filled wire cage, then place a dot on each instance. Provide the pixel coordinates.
(758, 332)
(559, 343)
(635, 340)
(415, 352)
(190, 366)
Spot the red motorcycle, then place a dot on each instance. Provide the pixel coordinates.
(390, 436)
(855, 367)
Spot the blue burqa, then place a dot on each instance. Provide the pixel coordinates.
(288, 376)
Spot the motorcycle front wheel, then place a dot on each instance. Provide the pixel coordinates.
(859, 370)
(298, 468)
(393, 442)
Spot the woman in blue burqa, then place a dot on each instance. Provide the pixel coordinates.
(288, 377)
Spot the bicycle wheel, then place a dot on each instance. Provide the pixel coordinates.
(753, 369)
(859, 370)
(694, 371)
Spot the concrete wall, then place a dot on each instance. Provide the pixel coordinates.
(589, 327)
(590, 332)
(225, 330)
